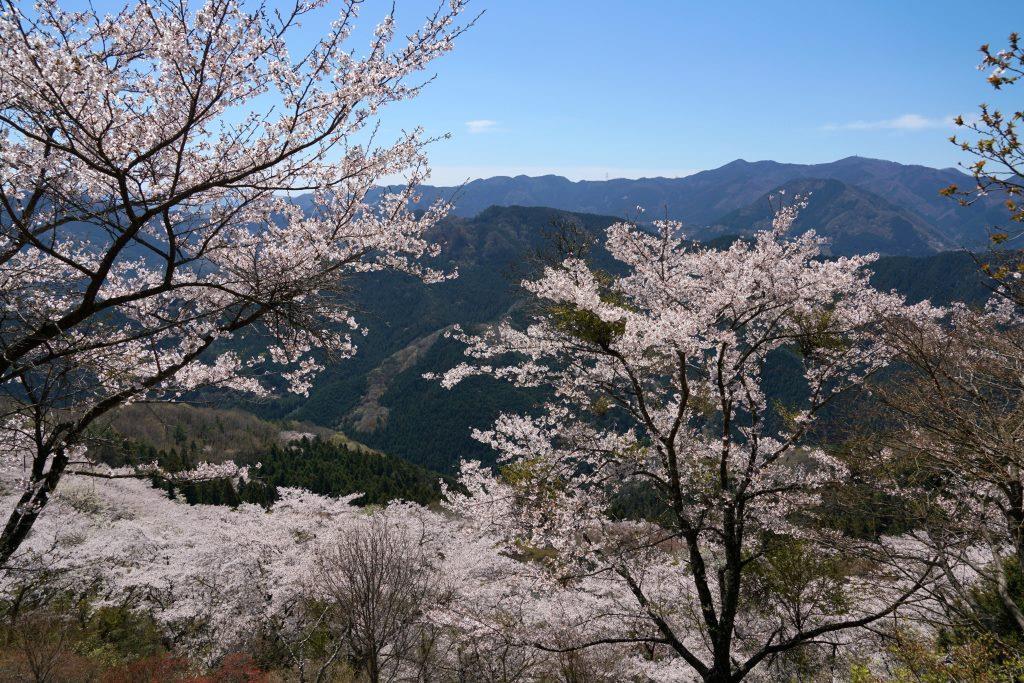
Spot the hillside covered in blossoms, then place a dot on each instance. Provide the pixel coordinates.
(278, 405)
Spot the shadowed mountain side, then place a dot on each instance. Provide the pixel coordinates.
(854, 220)
(493, 253)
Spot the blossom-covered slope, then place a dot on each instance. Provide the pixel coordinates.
(416, 419)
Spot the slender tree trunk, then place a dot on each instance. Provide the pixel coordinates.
(29, 506)
(372, 668)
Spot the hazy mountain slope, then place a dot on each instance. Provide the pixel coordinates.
(703, 198)
(853, 219)
(916, 188)
(618, 197)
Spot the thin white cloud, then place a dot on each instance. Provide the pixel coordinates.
(481, 126)
(906, 122)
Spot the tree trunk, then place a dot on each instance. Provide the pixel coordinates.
(29, 506)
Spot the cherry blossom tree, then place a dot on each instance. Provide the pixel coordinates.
(956, 449)
(317, 579)
(955, 452)
(147, 162)
(656, 379)
(954, 455)
(380, 583)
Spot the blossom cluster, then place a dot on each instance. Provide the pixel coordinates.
(656, 384)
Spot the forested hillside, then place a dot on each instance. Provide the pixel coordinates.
(380, 397)
(288, 454)
(855, 220)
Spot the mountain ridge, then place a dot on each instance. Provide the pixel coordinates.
(852, 219)
(702, 199)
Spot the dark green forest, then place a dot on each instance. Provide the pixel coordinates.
(320, 465)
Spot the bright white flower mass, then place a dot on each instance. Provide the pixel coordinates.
(656, 376)
(654, 516)
(149, 159)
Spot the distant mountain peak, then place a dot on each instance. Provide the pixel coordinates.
(741, 163)
(856, 158)
(703, 199)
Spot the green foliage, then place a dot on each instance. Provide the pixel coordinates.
(118, 634)
(984, 615)
(586, 325)
(329, 463)
(335, 470)
(319, 465)
(817, 334)
(917, 661)
(790, 571)
(215, 434)
(71, 639)
(532, 475)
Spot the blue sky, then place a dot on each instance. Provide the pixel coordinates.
(595, 88)
(589, 89)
